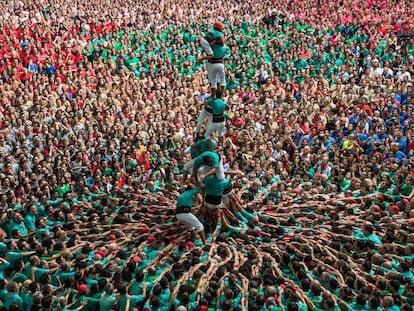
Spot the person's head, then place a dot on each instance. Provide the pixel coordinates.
(109, 289)
(218, 26)
(12, 287)
(316, 289)
(388, 301)
(328, 303)
(292, 306)
(375, 302)
(207, 160)
(368, 229)
(361, 299)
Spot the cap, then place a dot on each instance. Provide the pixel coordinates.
(258, 232)
(100, 253)
(137, 259)
(376, 209)
(144, 230)
(190, 244)
(151, 239)
(218, 26)
(395, 208)
(82, 289)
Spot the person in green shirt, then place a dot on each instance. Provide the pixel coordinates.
(30, 218)
(62, 187)
(213, 45)
(214, 189)
(183, 212)
(367, 234)
(108, 298)
(212, 164)
(217, 122)
(13, 295)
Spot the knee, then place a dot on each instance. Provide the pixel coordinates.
(199, 227)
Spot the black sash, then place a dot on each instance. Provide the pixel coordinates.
(218, 118)
(228, 189)
(216, 60)
(213, 199)
(182, 209)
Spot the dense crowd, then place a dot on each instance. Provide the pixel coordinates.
(99, 104)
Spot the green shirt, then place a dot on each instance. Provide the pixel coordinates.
(218, 106)
(214, 186)
(219, 50)
(187, 197)
(202, 146)
(62, 190)
(214, 156)
(106, 302)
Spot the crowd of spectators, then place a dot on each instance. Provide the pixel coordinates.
(99, 100)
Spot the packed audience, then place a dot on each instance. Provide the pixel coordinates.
(99, 101)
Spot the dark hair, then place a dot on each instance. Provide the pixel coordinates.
(361, 299)
(122, 289)
(156, 290)
(292, 306)
(374, 302)
(139, 276)
(155, 302)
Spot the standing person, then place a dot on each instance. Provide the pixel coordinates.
(217, 122)
(213, 199)
(213, 45)
(183, 212)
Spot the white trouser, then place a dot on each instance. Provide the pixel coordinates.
(216, 74)
(204, 169)
(213, 207)
(215, 126)
(226, 198)
(190, 221)
(206, 46)
(204, 114)
(189, 165)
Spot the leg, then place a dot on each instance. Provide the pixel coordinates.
(220, 171)
(220, 132)
(206, 46)
(209, 130)
(203, 115)
(193, 224)
(221, 77)
(202, 235)
(187, 167)
(212, 78)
